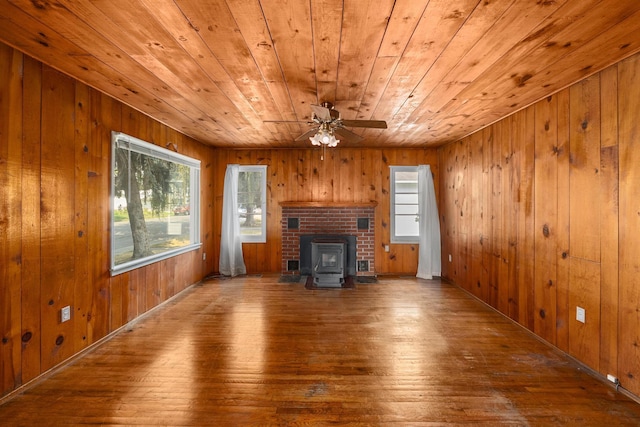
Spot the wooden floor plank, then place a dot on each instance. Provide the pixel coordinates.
(253, 351)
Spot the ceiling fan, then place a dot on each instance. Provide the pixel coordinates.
(328, 123)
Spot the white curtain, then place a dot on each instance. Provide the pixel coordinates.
(429, 256)
(231, 261)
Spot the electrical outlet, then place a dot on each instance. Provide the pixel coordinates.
(65, 314)
(204, 256)
(580, 314)
(386, 248)
(450, 258)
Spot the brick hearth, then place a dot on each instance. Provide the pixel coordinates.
(315, 218)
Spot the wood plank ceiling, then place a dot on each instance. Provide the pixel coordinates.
(229, 72)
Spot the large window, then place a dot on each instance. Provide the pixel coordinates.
(252, 203)
(404, 204)
(155, 203)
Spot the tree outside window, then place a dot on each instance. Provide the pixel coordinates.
(252, 190)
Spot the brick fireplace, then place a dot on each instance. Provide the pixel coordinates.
(328, 218)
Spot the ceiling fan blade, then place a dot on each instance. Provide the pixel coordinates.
(347, 135)
(308, 134)
(323, 113)
(287, 121)
(378, 124)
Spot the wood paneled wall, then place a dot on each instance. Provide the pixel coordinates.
(541, 214)
(345, 175)
(54, 219)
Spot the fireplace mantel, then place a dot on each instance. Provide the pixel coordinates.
(295, 204)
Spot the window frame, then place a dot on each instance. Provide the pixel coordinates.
(262, 237)
(392, 181)
(120, 140)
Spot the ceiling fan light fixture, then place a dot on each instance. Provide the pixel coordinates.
(324, 137)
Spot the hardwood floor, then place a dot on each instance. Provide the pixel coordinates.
(252, 351)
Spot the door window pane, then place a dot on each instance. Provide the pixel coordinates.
(404, 204)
